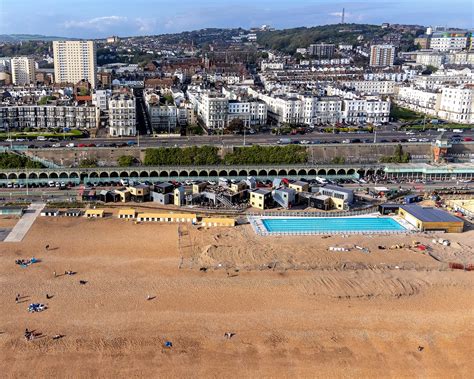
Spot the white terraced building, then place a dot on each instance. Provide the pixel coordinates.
(457, 104)
(454, 104)
(418, 100)
(122, 115)
(252, 113)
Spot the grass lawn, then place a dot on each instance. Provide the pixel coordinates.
(404, 114)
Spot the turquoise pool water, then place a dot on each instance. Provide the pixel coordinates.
(331, 224)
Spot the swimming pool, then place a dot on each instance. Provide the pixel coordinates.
(321, 225)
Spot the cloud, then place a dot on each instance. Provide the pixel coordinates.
(96, 23)
(145, 25)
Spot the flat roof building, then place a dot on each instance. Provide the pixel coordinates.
(75, 61)
(426, 219)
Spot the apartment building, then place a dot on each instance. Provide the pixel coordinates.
(251, 112)
(438, 58)
(301, 109)
(49, 116)
(100, 98)
(449, 41)
(213, 110)
(22, 70)
(457, 104)
(122, 115)
(322, 50)
(381, 87)
(75, 61)
(163, 115)
(419, 100)
(382, 55)
(361, 111)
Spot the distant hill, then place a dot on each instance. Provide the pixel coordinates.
(288, 40)
(30, 37)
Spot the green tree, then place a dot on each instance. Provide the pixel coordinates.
(235, 126)
(88, 163)
(126, 160)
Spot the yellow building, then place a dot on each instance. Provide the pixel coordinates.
(426, 219)
(299, 186)
(338, 203)
(199, 187)
(217, 221)
(139, 193)
(167, 217)
(238, 187)
(260, 198)
(94, 213)
(125, 195)
(127, 213)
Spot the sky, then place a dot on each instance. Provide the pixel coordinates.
(101, 18)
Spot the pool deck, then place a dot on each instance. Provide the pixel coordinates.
(260, 229)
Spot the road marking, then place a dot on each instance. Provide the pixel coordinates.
(24, 224)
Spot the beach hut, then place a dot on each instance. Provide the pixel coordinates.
(50, 212)
(217, 221)
(127, 214)
(94, 213)
(72, 213)
(167, 217)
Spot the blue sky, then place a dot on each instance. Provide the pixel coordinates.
(100, 18)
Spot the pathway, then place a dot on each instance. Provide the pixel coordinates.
(24, 224)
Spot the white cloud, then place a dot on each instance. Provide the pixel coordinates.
(97, 23)
(145, 25)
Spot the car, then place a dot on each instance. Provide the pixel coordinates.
(304, 142)
(82, 145)
(383, 141)
(51, 184)
(412, 139)
(410, 133)
(424, 140)
(346, 141)
(467, 139)
(56, 145)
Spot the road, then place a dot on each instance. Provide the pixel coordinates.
(250, 139)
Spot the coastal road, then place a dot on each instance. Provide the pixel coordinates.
(250, 139)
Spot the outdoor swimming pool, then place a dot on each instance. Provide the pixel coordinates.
(316, 225)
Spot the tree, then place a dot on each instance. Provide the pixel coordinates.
(235, 126)
(88, 163)
(126, 161)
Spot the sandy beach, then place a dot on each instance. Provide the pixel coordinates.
(297, 309)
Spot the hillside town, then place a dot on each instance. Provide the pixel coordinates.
(246, 201)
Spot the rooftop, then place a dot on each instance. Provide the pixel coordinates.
(429, 214)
